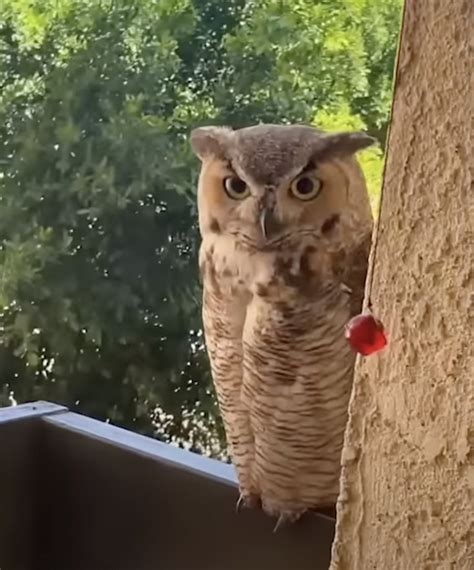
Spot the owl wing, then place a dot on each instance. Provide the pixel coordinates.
(223, 319)
(354, 272)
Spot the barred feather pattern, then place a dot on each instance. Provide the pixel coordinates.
(274, 327)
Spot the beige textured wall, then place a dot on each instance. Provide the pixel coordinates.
(407, 489)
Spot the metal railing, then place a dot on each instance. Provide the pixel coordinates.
(79, 494)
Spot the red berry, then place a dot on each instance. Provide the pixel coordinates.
(365, 334)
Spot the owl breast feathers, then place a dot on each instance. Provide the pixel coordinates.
(286, 227)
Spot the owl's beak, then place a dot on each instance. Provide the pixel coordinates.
(268, 223)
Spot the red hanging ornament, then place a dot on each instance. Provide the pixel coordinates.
(365, 334)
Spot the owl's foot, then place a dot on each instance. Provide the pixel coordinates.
(287, 517)
(284, 515)
(249, 501)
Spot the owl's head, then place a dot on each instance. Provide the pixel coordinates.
(265, 182)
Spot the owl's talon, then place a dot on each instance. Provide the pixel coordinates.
(280, 522)
(250, 501)
(238, 505)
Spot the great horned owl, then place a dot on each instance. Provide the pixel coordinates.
(286, 227)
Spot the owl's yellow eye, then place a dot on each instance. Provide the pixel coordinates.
(236, 188)
(306, 187)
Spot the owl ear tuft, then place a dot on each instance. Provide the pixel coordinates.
(343, 144)
(209, 141)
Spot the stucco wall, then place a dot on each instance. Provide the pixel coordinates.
(407, 488)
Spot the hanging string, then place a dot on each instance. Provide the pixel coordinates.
(376, 233)
(375, 243)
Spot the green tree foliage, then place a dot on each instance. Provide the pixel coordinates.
(98, 273)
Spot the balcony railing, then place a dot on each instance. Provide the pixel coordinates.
(79, 494)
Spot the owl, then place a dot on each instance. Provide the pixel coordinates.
(286, 227)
